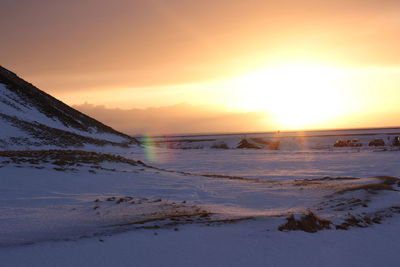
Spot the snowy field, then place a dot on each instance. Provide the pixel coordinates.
(204, 207)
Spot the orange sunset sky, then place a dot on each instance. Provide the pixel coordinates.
(178, 66)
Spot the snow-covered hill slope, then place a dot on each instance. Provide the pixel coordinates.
(31, 118)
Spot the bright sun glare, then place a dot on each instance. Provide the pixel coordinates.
(297, 95)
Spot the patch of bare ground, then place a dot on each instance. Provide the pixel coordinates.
(174, 218)
(167, 214)
(233, 178)
(63, 159)
(305, 183)
(343, 204)
(309, 223)
(150, 142)
(389, 180)
(321, 181)
(219, 176)
(197, 216)
(244, 144)
(328, 178)
(220, 146)
(372, 188)
(349, 202)
(367, 219)
(163, 212)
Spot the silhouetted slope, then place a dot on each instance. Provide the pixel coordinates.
(30, 117)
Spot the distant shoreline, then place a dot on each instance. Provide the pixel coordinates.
(286, 132)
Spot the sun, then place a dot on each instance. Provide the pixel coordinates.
(297, 95)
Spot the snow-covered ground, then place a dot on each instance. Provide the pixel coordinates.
(201, 207)
(245, 244)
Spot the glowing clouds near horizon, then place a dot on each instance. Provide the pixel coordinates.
(296, 95)
(290, 96)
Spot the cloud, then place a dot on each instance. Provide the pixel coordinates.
(176, 119)
(138, 43)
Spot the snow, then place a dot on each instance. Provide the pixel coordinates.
(248, 244)
(265, 164)
(8, 131)
(50, 217)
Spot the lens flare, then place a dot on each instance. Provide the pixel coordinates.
(155, 153)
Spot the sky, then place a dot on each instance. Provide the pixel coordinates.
(177, 66)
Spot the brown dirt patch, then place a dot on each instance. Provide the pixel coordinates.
(309, 223)
(368, 187)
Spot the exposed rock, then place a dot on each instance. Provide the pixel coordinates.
(245, 144)
(377, 142)
(308, 223)
(396, 141)
(347, 143)
(220, 146)
(368, 187)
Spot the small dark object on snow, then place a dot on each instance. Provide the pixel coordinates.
(220, 146)
(396, 141)
(377, 142)
(309, 223)
(368, 187)
(347, 143)
(361, 222)
(245, 144)
(124, 199)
